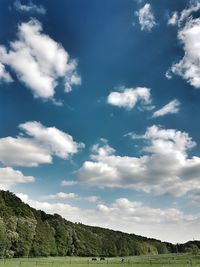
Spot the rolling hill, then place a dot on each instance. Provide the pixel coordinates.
(26, 232)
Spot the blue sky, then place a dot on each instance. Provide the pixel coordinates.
(100, 112)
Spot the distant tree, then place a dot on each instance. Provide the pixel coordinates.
(161, 247)
(44, 241)
(26, 232)
(108, 247)
(122, 247)
(194, 249)
(3, 238)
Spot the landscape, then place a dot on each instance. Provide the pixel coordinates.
(99, 133)
(31, 236)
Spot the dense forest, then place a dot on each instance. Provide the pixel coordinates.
(26, 232)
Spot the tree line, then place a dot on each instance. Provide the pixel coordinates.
(26, 232)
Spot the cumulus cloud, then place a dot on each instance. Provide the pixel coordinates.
(164, 167)
(138, 212)
(38, 145)
(39, 61)
(58, 142)
(128, 97)
(10, 177)
(188, 67)
(22, 151)
(171, 108)
(29, 7)
(146, 18)
(134, 217)
(188, 35)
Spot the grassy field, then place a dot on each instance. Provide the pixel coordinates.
(138, 261)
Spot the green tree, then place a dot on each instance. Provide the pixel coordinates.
(3, 238)
(26, 231)
(195, 249)
(109, 248)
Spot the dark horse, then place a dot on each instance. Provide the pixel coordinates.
(94, 259)
(102, 259)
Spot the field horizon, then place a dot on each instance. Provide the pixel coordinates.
(171, 260)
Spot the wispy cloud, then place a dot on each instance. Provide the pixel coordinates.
(4, 75)
(29, 7)
(146, 18)
(68, 183)
(73, 196)
(171, 108)
(185, 14)
(173, 20)
(60, 195)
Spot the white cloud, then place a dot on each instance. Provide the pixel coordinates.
(58, 142)
(188, 35)
(185, 14)
(188, 67)
(60, 195)
(39, 146)
(164, 168)
(29, 7)
(173, 20)
(10, 177)
(39, 61)
(146, 18)
(138, 212)
(168, 74)
(171, 108)
(92, 199)
(135, 217)
(66, 196)
(22, 151)
(129, 97)
(4, 75)
(133, 135)
(65, 210)
(68, 183)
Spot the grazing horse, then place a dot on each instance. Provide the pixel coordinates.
(94, 259)
(102, 259)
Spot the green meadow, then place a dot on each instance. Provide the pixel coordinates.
(139, 261)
